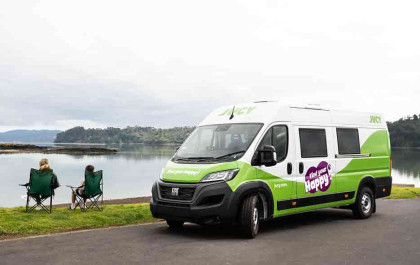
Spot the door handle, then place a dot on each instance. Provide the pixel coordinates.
(289, 168)
(301, 167)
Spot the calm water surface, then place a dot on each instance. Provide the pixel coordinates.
(132, 171)
(129, 173)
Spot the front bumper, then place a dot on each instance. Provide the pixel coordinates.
(210, 203)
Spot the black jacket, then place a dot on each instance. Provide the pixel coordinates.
(54, 182)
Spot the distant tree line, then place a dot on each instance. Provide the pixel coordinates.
(146, 135)
(405, 132)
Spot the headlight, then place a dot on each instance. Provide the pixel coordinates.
(221, 175)
(161, 175)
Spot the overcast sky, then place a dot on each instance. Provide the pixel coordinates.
(169, 63)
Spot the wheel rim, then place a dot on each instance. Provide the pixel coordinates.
(255, 219)
(366, 203)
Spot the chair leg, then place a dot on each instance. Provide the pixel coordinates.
(27, 202)
(79, 201)
(99, 199)
(94, 203)
(38, 202)
(45, 208)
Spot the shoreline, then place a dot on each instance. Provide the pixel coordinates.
(146, 144)
(31, 148)
(133, 200)
(145, 199)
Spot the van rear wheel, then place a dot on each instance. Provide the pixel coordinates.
(174, 224)
(249, 217)
(365, 204)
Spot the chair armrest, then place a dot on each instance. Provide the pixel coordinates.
(72, 187)
(24, 185)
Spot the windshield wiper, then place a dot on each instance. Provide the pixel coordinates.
(207, 158)
(231, 154)
(199, 158)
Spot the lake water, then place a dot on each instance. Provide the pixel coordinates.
(132, 171)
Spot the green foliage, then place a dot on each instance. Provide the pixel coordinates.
(146, 135)
(405, 132)
(15, 222)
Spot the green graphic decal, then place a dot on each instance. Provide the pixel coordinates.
(377, 165)
(377, 144)
(375, 119)
(237, 111)
(193, 173)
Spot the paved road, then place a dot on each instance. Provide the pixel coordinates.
(391, 236)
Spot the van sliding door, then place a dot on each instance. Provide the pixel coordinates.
(315, 163)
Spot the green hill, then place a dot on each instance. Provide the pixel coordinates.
(28, 136)
(405, 132)
(146, 135)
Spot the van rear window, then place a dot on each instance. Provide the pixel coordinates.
(313, 143)
(348, 141)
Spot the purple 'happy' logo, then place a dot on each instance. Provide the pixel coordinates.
(318, 178)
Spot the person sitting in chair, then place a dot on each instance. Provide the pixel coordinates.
(81, 190)
(44, 164)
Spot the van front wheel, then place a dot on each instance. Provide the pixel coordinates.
(365, 204)
(249, 217)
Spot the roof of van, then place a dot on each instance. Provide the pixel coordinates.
(268, 112)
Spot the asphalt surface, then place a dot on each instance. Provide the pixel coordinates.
(331, 236)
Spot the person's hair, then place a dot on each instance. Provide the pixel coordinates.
(90, 168)
(44, 164)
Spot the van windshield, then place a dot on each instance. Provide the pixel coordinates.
(212, 143)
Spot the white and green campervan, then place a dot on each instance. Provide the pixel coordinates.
(252, 162)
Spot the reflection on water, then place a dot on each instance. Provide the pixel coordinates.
(406, 166)
(132, 171)
(129, 173)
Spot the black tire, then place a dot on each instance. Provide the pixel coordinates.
(249, 217)
(174, 224)
(365, 203)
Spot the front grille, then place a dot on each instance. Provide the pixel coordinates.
(184, 194)
(183, 205)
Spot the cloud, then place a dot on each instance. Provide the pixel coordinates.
(167, 63)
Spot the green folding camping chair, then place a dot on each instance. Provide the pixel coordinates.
(39, 189)
(93, 191)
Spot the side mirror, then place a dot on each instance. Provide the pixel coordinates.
(267, 156)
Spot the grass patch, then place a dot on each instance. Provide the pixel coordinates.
(404, 193)
(14, 222)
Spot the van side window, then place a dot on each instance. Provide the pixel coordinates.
(313, 143)
(267, 138)
(348, 141)
(277, 136)
(280, 141)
